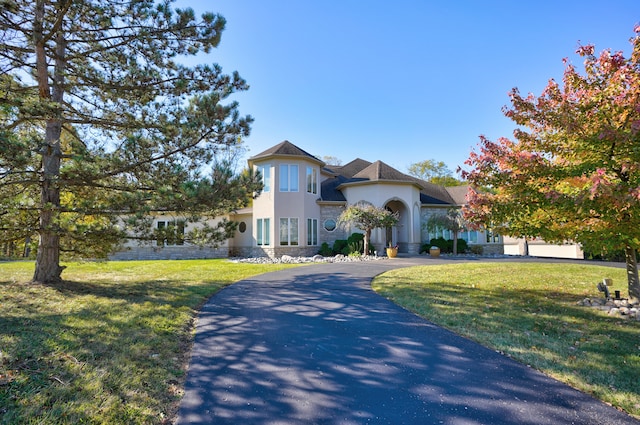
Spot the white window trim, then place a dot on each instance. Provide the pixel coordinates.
(312, 180)
(265, 171)
(312, 231)
(288, 227)
(263, 231)
(286, 177)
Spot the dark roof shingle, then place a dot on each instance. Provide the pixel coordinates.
(285, 148)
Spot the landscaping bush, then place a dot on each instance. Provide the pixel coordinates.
(339, 245)
(446, 245)
(463, 246)
(440, 243)
(325, 250)
(355, 243)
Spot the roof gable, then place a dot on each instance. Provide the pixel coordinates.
(458, 193)
(285, 148)
(352, 168)
(381, 171)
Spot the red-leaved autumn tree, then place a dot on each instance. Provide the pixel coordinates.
(573, 171)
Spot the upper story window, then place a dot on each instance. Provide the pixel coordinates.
(312, 180)
(265, 172)
(288, 178)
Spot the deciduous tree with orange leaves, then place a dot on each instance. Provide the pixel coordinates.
(572, 171)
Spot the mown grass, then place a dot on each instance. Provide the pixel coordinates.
(107, 346)
(530, 313)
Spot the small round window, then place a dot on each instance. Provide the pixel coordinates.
(242, 227)
(330, 225)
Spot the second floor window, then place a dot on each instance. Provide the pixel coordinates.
(265, 172)
(312, 180)
(288, 178)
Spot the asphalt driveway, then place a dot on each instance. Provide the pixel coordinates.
(315, 345)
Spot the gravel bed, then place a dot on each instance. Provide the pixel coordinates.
(287, 259)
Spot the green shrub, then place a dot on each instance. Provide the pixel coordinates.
(355, 237)
(440, 243)
(325, 250)
(355, 243)
(339, 245)
(446, 245)
(463, 246)
(356, 247)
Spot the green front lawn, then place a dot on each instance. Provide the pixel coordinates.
(529, 312)
(110, 345)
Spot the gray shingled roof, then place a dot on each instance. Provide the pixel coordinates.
(381, 171)
(285, 148)
(329, 189)
(360, 170)
(458, 193)
(350, 169)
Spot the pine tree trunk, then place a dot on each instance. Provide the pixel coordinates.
(48, 257)
(632, 273)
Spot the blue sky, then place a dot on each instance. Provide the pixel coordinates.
(400, 81)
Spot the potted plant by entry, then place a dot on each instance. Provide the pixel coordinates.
(434, 251)
(392, 251)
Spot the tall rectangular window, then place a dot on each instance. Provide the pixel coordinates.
(288, 178)
(312, 180)
(289, 231)
(265, 172)
(312, 231)
(263, 231)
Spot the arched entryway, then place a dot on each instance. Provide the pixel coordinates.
(399, 234)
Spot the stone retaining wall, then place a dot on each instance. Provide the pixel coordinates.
(169, 253)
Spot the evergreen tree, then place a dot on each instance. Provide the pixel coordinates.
(99, 120)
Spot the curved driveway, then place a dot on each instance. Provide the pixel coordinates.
(315, 345)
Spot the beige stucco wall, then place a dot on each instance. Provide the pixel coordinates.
(276, 205)
(402, 197)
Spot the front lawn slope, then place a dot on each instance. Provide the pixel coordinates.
(107, 346)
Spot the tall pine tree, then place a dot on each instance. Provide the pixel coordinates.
(99, 120)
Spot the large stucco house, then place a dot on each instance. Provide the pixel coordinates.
(302, 199)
